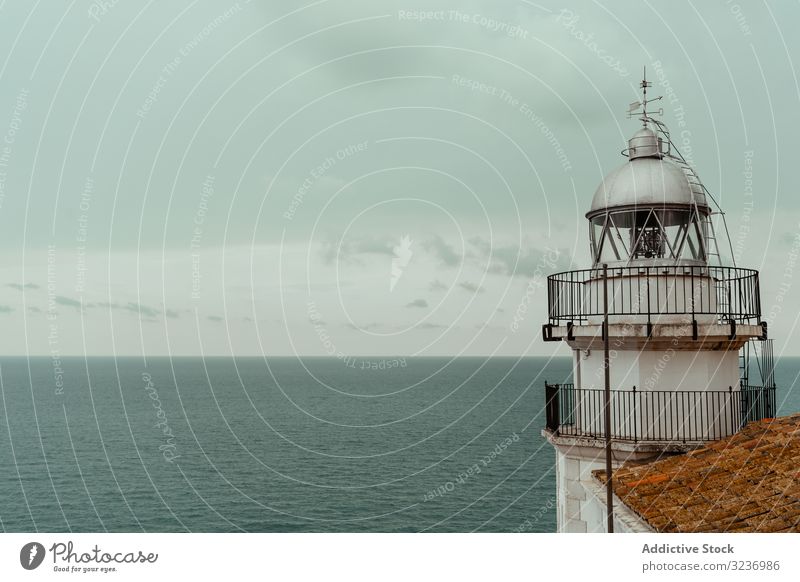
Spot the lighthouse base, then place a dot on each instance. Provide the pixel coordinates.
(580, 498)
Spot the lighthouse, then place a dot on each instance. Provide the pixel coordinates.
(661, 330)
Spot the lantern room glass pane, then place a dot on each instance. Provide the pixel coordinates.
(648, 233)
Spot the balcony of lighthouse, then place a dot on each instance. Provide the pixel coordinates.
(675, 332)
(693, 307)
(683, 419)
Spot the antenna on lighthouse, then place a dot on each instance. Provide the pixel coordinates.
(644, 85)
(633, 108)
(639, 109)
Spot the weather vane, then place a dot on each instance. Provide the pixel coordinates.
(633, 108)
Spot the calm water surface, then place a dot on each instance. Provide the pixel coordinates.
(282, 445)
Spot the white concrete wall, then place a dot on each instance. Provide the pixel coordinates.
(668, 369)
(581, 506)
(682, 414)
(672, 294)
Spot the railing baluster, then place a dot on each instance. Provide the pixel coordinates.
(574, 295)
(657, 415)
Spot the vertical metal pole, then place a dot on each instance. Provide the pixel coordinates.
(607, 405)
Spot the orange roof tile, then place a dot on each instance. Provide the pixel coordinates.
(748, 482)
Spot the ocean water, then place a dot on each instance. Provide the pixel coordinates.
(282, 445)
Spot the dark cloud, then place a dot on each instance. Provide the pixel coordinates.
(437, 286)
(382, 246)
(349, 250)
(418, 303)
(142, 310)
(214, 318)
(67, 301)
(34, 309)
(471, 287)
(22, 287)
(518, 261)
(788, 238)
(6, 309)
(442, 251)
(427, 325)
(145, 312)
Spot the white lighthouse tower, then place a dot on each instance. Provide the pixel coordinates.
(680, 324)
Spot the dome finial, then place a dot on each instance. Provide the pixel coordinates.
(633, 108)
(644, 85)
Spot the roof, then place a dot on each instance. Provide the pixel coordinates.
(646, 181)
(749, 482)
(644, 143)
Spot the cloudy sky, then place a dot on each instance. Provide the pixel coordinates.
(360, 177)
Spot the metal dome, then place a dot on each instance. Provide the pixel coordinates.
(647, 182)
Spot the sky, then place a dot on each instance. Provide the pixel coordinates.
(361, 178)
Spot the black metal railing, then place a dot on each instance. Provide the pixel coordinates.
(648, 415)
(730, 294)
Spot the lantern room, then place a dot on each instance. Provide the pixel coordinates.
(650, 211)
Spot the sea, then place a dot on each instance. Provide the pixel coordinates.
(282, 444)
